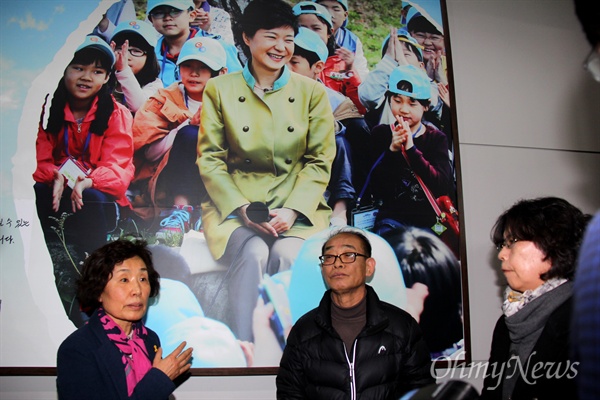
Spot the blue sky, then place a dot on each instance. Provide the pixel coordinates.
(31, 32)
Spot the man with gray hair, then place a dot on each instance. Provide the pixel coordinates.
(352, 345)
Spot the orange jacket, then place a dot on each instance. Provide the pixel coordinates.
(110, 156)
(162, 112)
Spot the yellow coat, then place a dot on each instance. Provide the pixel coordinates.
(277, 150)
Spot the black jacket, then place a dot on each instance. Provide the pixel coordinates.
(551, 350)
(390, 356)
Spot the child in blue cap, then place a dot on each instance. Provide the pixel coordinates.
(165, 134)
(337, 73)
(136, 66)
(400, 48)
(430, 34)
(84, 159)
(351, 47)
(172, 19)
(310, 54)
(409, 146)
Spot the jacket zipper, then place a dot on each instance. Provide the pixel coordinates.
(351, 369)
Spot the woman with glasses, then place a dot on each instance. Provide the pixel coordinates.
(267, 138)
(136, 66)
(538, 241)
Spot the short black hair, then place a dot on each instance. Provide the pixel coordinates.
(408, 87)
(406, 44)
(354, 232)
(98, 267)
(421, 24)
(263, 14)
(310, 56)
(553, 224)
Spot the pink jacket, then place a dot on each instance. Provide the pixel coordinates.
(109, 156)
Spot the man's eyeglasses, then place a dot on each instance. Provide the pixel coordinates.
(592, 64)
(346, 258)
(506, 243)
(134, 51)
(161, 13)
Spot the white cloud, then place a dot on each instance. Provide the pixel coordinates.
(29, 23)
(59, 9)
(9, 100)
(14, 83)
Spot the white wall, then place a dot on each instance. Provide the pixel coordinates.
(528, 119)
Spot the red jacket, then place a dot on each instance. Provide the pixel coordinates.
(109, 156)
(335, 77)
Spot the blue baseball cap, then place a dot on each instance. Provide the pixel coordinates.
(414, 12)
(344, 3)
(142, 28)
(311, 41)
(178, 4)
(206, 50)
(421, 85)
(96, 42)
(309, 7)
(404, 36)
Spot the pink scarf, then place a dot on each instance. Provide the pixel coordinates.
(136, 361)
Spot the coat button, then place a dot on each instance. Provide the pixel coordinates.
(247, 161)
(291, 99)
(290, 129)
(246, 128)
(242, 99)
(288, 161)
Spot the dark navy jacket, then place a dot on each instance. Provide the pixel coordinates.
(89, 367)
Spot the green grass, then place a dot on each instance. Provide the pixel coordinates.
(371, 22)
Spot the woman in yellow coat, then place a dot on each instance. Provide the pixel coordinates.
(267, 136)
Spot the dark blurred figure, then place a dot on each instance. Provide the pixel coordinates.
(586, 312)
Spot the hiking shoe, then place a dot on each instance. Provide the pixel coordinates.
(175, 224)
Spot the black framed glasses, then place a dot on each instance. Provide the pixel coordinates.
(506, 243)
(163, 12)
(134, 51)
(345, 258)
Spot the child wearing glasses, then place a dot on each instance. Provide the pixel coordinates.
(172, 19)
(430, 34)
(136, 66)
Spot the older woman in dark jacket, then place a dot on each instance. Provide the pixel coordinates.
(537, 241)
(114, 356)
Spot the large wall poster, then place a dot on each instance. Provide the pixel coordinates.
(38, 309)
